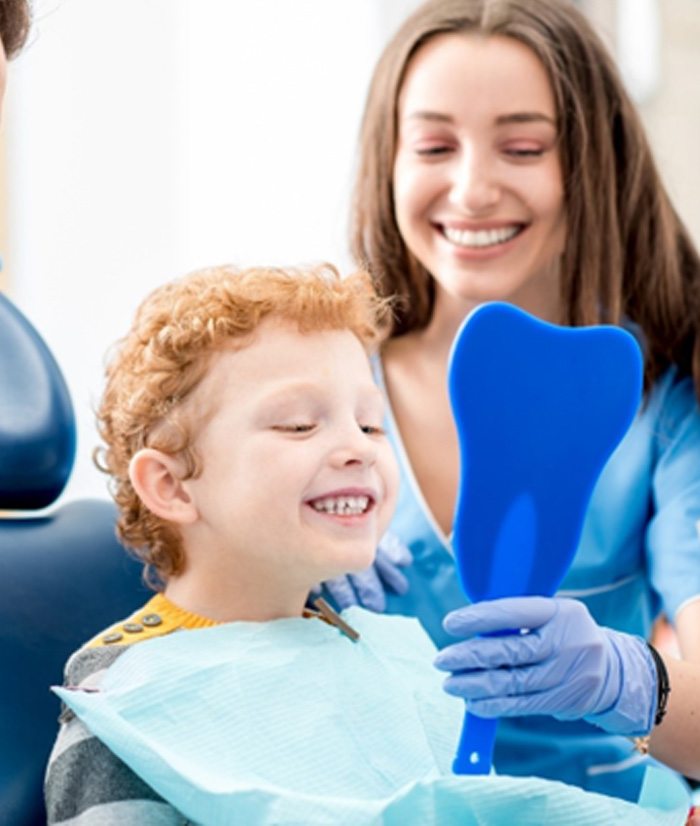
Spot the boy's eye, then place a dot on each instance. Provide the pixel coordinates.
(300, 427)
(372, 430)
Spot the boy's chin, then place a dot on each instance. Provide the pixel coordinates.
(347, 567)
(360, 562)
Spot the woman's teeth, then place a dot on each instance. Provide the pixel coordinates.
(342, 505)
(481, 237)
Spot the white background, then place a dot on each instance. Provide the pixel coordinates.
(147, 138)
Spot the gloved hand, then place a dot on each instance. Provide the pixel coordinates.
(564, 665)
(367, 588)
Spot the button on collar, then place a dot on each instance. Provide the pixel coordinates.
(133, 627)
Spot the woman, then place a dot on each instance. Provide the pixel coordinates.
(501, 159)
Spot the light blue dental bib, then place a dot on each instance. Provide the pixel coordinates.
(289, 722)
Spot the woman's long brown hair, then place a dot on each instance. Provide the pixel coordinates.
(628, 256)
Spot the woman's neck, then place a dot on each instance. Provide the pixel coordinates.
(436, 338)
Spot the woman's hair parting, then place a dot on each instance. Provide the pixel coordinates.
(154, 370)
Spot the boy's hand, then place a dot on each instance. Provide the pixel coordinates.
(564, 664)
(368, 588)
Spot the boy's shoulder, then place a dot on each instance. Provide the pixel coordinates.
(86, 666)
(154, 619)
(158, 617)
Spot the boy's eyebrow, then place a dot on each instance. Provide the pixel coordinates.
(288, 391)
(511, 117)
(295, 389)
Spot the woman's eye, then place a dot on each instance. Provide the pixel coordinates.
(524, 151)
(432, 151)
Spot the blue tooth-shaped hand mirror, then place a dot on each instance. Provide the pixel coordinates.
(539, 409)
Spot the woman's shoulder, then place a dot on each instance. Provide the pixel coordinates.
(674, 396)
(671, 416)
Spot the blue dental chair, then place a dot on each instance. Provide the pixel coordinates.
(63, 575)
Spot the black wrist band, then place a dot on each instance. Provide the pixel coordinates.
(663, 685)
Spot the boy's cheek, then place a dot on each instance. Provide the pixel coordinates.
(389, 504)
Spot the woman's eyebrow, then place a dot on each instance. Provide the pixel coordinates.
(425, 114)
(525, 117)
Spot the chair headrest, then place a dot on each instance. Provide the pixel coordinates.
(37, 422)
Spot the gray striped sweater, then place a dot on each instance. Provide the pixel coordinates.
(86, 784)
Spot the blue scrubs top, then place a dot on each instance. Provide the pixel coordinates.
(639, 554)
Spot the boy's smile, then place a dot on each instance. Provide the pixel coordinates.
(348, 503)
(298, 479)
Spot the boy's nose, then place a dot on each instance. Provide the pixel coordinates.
(474, 188)
(354, 448)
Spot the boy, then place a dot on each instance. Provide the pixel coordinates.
(243, 437)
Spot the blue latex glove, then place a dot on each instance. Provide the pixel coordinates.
(564, 665)
(367, 588)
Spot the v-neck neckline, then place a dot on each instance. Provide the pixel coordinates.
(408, 473)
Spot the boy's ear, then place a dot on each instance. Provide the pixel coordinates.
(156, 480)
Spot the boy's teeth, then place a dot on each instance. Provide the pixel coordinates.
(480, 237)
(342, 505)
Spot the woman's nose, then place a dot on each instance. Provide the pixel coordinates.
(474, 188)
